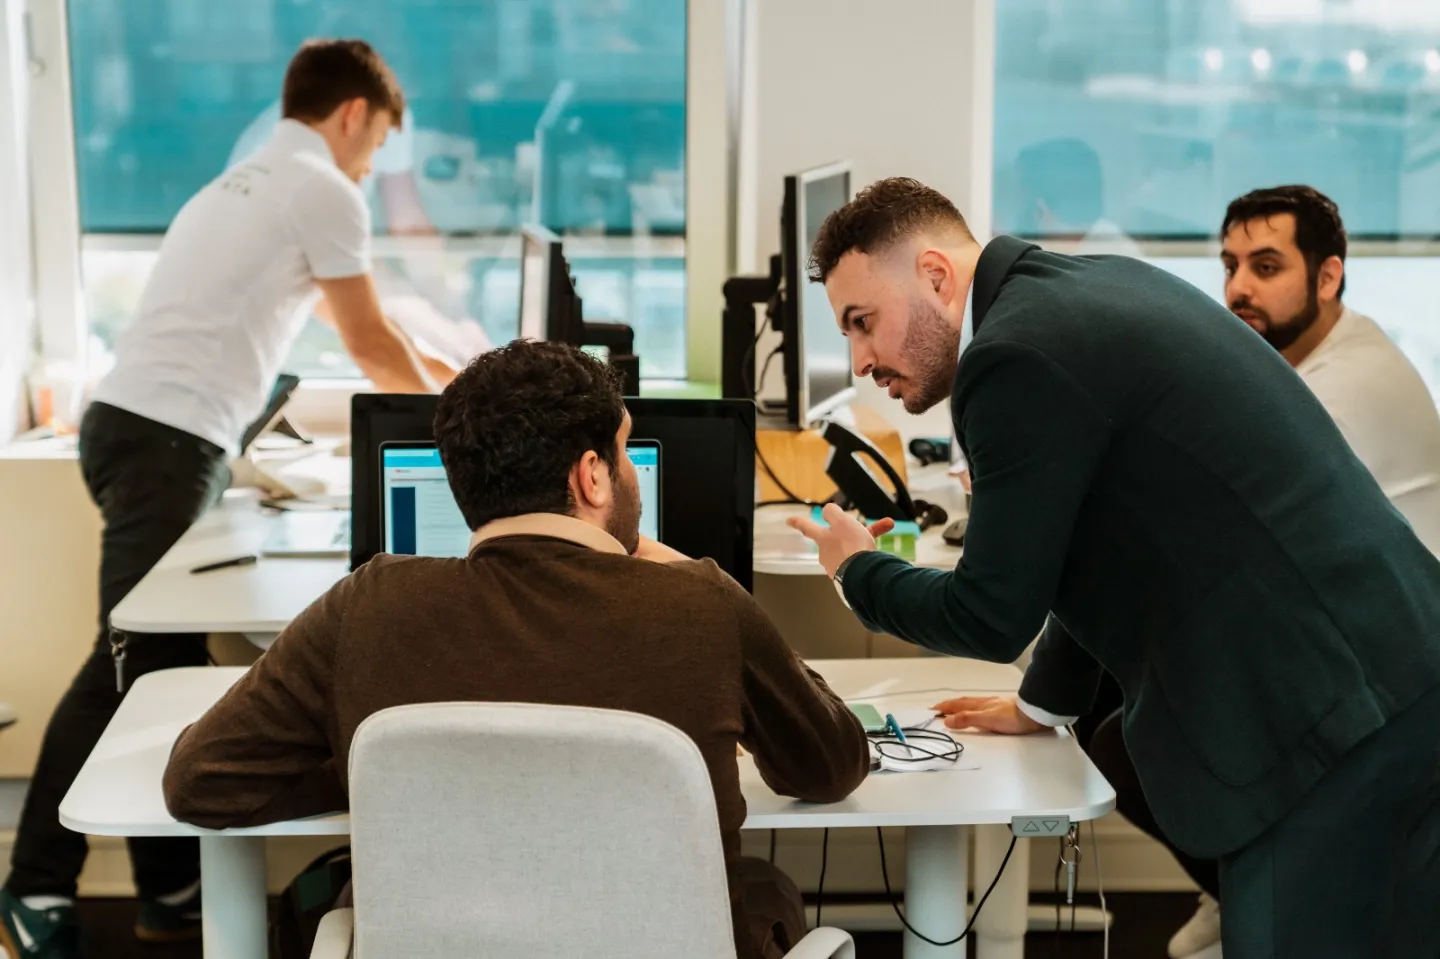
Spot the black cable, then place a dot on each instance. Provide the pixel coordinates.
(911, 749)
(885, 873)
(765, 368)
(792, 500)
(1059, 864)
(820, 892)
(747, 365)
(772, 847)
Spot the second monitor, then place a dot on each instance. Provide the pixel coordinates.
(551, 308)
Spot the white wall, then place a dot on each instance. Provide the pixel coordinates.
(16, 296)
(898, 89)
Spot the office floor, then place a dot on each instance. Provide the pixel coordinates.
(1143, 924)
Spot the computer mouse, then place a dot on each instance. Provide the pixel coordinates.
(955, 533)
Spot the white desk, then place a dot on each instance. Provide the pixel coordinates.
(118, 793)
(260, 600)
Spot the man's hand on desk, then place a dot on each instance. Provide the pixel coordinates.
(844, 537)
(657, 552)
(991, 714)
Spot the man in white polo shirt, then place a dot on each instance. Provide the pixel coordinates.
(1283, 249)
(236, 275)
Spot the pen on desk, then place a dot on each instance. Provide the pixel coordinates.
(895, 728)
(226, 564)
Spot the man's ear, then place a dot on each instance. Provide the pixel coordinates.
(356, 115)
(939, 272)
(1332, 272)
(590, 481)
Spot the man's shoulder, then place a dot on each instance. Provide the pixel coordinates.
(307, 172)
(1357, 354)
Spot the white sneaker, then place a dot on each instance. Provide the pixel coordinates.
(1200, 933)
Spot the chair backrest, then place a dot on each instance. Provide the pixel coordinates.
(497, 829)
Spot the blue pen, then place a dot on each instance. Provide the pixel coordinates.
(895, 728)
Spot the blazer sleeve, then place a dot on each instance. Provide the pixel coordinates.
(1035, 440)
(1062, 679)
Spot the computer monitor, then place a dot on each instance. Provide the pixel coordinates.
(818, 376)
(704, 494)
(420, 516)
(549, 306)
(707, 502)
(417, 508)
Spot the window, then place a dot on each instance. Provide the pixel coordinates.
(570, 112)
(1146, 118)
(1129, 125)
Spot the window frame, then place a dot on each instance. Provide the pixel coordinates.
(59, 244)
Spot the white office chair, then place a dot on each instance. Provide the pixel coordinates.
(486, 830)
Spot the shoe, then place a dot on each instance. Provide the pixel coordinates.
(158, 922)
(27, 933)
(1201, 932)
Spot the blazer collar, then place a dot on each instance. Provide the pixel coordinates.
(999, 255)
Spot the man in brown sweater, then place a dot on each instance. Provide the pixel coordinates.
(556, 603)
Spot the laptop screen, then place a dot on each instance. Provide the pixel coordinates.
(420, 515)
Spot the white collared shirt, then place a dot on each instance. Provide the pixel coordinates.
(232, 286)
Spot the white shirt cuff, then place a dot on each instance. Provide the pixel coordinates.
(1041, 716)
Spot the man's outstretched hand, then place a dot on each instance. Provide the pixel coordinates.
(845, 536)
(991, 714)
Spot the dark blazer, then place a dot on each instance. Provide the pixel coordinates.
(1154, 477)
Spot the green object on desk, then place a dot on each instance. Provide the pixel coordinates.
(900, 541)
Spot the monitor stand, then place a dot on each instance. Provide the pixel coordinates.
(771, 415)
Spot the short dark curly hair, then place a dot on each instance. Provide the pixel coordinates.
(1319, 231)
(881, 214)
(514, 423)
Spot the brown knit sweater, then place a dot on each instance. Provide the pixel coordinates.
(545, 609)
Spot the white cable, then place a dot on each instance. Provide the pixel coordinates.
(1100, 885)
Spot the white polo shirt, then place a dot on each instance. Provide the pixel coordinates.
(233, 284)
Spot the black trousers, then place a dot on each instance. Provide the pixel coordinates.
(151, 483)
(1354, 869)
(1106, 749)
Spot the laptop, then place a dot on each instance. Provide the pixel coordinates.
(419, 513)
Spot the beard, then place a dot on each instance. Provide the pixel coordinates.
(930, 350)
(1283, 335)
(624, 520)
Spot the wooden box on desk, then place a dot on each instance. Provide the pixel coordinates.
(798, 457)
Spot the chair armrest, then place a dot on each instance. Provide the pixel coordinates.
(332, 939)
(824, 943)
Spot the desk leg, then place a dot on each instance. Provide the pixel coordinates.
(1000, 930)
(232, 873)
(936, 863)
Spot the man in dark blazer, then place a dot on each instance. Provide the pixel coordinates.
(1157, 488)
